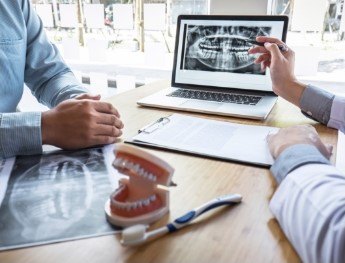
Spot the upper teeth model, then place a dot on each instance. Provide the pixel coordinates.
(140, 198)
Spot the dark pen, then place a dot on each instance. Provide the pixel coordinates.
(282, 47)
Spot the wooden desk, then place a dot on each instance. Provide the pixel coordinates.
(244, 233)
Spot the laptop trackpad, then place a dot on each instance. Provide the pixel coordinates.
(197, 104)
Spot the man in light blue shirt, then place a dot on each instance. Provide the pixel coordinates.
(76, 120)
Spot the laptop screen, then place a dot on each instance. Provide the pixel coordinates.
(212, 51)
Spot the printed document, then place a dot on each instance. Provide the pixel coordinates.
(219, 139)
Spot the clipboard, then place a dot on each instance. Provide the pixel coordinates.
(208, 138)
(155, 125)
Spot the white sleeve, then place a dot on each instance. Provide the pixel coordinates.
(337, 117)
(309, 205)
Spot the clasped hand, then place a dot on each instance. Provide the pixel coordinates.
(81, 122)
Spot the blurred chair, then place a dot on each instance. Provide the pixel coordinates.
(242, 7)
(309, 15)
(68, 15)
(154, 17)
(45, 12)
(123, 16)
(94, 16)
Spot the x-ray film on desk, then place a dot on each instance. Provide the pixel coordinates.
(213, 72)
(55, 197)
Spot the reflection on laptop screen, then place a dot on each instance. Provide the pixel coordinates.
(213, 51)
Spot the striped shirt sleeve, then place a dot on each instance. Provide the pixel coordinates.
(20, 134)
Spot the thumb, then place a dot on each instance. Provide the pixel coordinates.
(274, 51)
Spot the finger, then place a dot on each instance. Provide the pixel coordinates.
(109, 119)
(106, 107)
(107, 130)
(274, 50)
(264, 39)
(257, 49)
(88, 96)
(267, 64)
(262, 58)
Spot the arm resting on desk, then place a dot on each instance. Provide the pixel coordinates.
(309, 204)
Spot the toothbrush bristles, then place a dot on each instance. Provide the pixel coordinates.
(133, 234)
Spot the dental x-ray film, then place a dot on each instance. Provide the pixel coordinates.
(56, 197)
(222, 48)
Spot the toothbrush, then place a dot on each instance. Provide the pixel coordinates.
(136, 235)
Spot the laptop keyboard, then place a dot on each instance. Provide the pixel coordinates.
(216, 96)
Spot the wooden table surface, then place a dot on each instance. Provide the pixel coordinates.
(244, 233)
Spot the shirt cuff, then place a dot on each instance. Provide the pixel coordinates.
(20, 134)
(294, 157)
(316, 104)
(337, 119)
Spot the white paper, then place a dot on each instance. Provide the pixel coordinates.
(245, 143)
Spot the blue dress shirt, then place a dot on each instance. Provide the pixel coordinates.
(26, 55)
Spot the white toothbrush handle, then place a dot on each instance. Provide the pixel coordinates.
(184, 220)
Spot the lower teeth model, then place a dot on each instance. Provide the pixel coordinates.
(140, 198)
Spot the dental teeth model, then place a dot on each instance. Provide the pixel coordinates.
(141, 198)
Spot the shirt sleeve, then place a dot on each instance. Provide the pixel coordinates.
(46, 74)
(316, 104)
(337, 118)
(294, 157)
(309, 205)
(20, 134)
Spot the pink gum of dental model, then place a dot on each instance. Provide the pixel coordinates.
(140, 198)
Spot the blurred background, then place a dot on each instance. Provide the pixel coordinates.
(116, 45)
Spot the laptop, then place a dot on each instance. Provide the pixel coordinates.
(213, 72)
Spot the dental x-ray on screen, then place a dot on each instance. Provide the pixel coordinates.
(222, 48)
